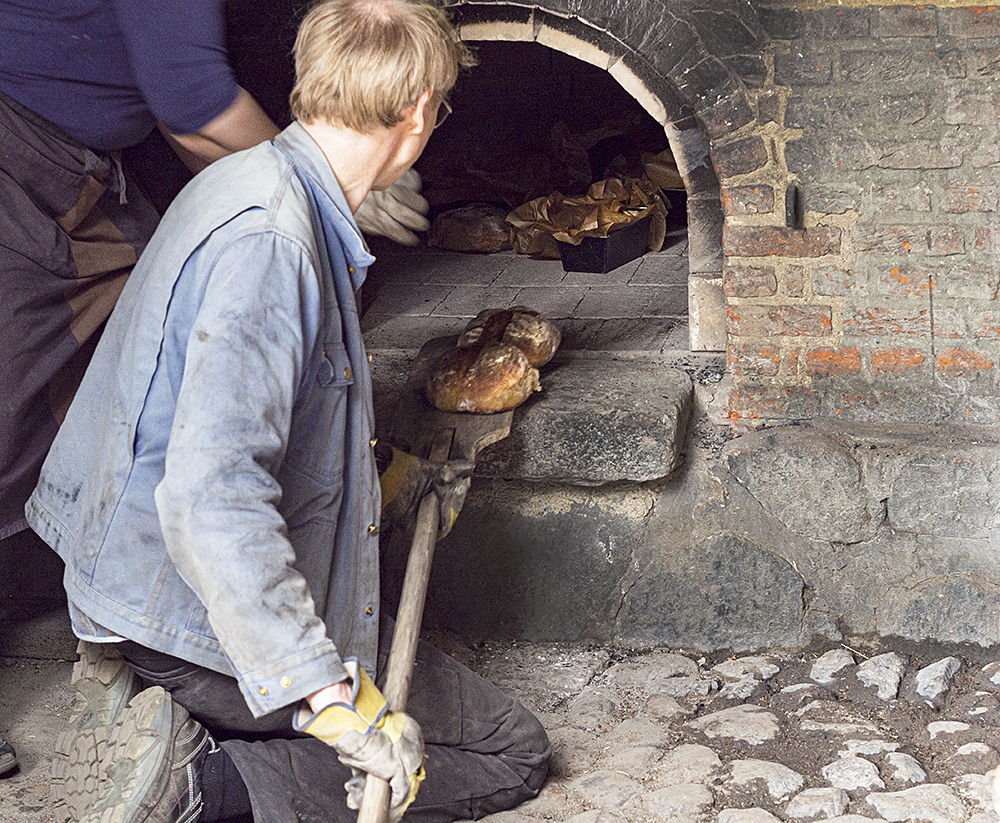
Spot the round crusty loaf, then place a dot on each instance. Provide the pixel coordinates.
(520, 326)
(489, 377)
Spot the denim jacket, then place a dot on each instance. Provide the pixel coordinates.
(213, 489)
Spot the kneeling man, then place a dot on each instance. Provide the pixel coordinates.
(214, 494)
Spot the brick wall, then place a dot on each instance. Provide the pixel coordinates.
(861, 243)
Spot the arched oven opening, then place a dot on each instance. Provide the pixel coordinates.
(528, 122)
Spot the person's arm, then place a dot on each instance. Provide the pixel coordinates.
(337, 693)
(177, 51)
(241, 126)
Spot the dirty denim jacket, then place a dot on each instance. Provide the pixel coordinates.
(213, 489)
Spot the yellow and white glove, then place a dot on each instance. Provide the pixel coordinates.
(396, 212)
(371, 740)
(406, 479)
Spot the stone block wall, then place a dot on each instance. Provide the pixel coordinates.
(861, 245)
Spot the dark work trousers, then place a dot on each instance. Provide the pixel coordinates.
(485, 751)
(71, 230)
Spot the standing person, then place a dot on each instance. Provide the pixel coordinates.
(214, 494)
(81, 80)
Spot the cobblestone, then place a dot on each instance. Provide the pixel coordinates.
(663, 736)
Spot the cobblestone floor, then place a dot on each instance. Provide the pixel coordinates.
(855, 731)
(846, 732)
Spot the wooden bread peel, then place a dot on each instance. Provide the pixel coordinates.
(423, 431)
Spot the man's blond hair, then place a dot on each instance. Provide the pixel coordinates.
(361, 63)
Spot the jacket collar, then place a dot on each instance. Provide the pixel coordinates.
(310, 161)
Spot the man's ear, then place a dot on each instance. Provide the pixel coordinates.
(416, 115)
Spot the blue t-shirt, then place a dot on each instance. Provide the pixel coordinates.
(105, 70)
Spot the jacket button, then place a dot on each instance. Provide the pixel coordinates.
(373, 529)
(351, 269)
(373, 442)
(262, 691)
(347, 372)
(369, 611)
(285, 682)
(369, 356)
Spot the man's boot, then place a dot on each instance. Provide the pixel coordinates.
(154, 764)
(8, 757)
(104, 685)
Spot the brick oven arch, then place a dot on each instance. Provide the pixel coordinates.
(663, 62)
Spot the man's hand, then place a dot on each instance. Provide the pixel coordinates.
(407, 479)
(370, 739)
(394, 212)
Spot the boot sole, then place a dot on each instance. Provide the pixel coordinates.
(138, 760)
(104, 686)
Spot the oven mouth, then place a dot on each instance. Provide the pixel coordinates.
(528, 121)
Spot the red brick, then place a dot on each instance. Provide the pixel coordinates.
(908, 21)
(749, 281)
(965, 198)
(748, 320)
(767, 241)
(973, 280)
(740, 157)
(752, 360)
(975, 21)
(795, 281)
(792, 362)
(748, 404)
(925, 153)
(903, 281)
(949, 323)
(963, 363)
(831, 280)
(899, 198)
(726, 115)
(885, 322)
(753, 403)
(897, 361)
(753, 320)
(931, 240)
(807, 321)
(986, 154)
(989, 328)
(748, 200)
(988, 240)
(964, 107)
(769, 109)
(829, 362)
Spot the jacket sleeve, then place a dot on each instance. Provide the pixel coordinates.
(247, 352)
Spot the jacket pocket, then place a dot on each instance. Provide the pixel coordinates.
(312, 474)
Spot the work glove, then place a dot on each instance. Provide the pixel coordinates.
(370, 739)
(394, 212)
(407, 479)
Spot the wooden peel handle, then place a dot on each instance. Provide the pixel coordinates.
(403, 653)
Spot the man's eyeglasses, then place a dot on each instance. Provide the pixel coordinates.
(442, 113)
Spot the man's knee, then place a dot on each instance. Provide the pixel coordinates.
(530, 750)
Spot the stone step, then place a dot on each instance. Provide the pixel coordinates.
(600, 418)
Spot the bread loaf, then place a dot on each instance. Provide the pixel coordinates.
(482, 377)
(520, 326)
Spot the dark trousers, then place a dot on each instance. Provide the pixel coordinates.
(68, 241)
(485, 751)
